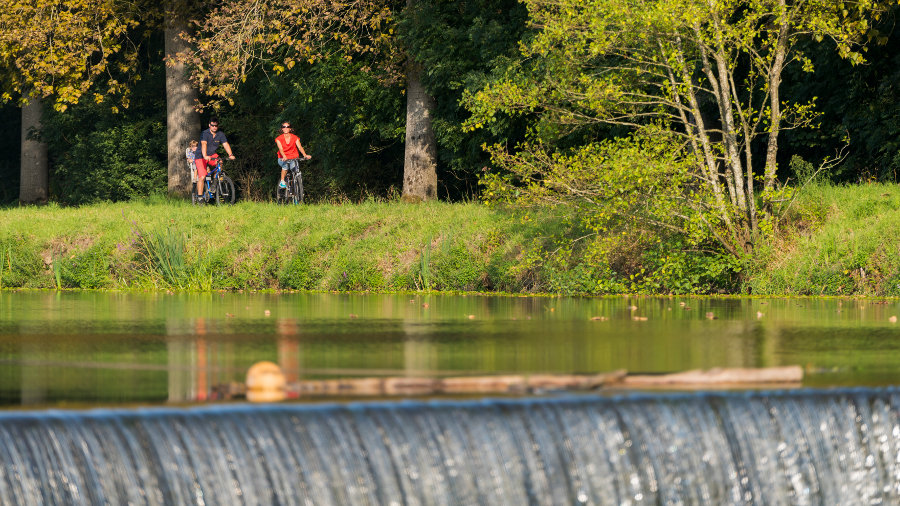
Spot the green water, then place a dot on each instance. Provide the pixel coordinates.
(59, 349)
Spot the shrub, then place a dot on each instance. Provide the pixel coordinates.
(118, 163)
(19, 264)
(457, 269)
(300, 273)
(89, 269)
(354, 273)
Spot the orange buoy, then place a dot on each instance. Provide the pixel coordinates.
(265, 382)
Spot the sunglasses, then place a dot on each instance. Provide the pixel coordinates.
(285, 126)
(213, 124)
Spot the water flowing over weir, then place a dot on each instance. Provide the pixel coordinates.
(805, 447)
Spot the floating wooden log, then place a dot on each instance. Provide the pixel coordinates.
(403, 385)
(519, 384)
(483, 384)
(718, 376)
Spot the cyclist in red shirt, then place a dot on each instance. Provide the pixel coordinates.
(289, 149)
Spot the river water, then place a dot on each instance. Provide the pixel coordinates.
(149, 365)
(90, 348)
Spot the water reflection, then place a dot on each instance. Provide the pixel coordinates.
(156, 348)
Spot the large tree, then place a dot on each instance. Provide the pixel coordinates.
(33, 174)
(420, 160)
(182, 117)
(695, 84)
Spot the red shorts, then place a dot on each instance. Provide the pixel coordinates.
(201, 165)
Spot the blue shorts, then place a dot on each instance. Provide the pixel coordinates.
(286, 163)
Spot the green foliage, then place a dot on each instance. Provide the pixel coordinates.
(251, 267)
(667, 268)
(860, 103)
(349, 272)
(89, 269)
(459, 44)
(120, 163)
(673, 75)
(569, 274)
(424, 275)
(21, 263)
(100, 155)
(452, 267)
(300, 272)
(804, 172)
(611, 185)
(838, 241)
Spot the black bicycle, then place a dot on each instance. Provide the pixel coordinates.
(292, 193)
(218, 187)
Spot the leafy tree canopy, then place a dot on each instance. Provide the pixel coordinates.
(61, 48)
(241, 36)
(702, 75)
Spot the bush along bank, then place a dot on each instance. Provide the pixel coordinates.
(162, 245)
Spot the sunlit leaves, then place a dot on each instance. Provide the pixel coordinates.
(707, 71)
(242, 35)
(61, 48)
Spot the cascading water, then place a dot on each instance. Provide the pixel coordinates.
(808, 447)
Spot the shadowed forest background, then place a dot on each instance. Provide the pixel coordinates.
(352, 119)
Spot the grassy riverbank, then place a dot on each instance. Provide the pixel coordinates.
(170, 245)
(835, 241)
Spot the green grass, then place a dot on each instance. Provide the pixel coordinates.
(838, 240)
(833, 241)
(170, 245)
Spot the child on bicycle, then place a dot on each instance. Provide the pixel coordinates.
(191, 154)
(288, 147)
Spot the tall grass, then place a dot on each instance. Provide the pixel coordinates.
(424, 266)
(4, 260)
(163, 253)
(159, 244)
(57, 270)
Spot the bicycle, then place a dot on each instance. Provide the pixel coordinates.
(293, 181)
(217, 187)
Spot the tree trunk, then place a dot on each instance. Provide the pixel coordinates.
(34, 179)
(775, 105)
(420, 160)
(182, 120)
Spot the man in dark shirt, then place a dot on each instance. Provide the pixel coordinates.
(210, 140)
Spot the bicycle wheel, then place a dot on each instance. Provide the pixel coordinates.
(298, 185)
(225, 191)
(296, 189)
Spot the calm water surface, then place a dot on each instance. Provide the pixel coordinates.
(99, 348)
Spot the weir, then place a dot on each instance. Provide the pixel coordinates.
(799, 447)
